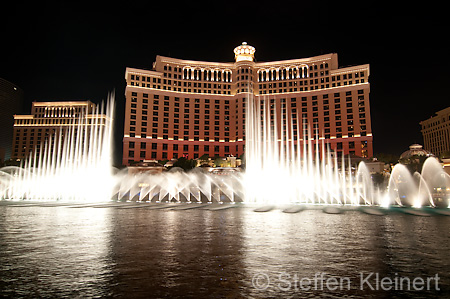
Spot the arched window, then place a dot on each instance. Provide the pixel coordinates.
(185, 73)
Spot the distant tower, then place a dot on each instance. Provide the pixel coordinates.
(11, 98)
(244, 52)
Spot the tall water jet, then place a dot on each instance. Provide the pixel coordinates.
(286, 162)
(364, 184)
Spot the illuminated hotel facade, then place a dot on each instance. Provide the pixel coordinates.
(436, 132)
(191, 108)
(47, 120)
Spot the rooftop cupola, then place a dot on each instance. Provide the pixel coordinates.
(244, 52)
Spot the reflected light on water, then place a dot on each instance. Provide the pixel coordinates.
(141, 253)
(64, 252)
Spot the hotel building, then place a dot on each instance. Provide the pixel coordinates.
(191, 108)
(46, 121)
(436, 132)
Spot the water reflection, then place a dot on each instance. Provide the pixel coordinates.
(54, 251)
(104, 252)
(181, 253)
(348, 245)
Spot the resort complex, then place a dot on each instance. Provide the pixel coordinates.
(194, 108)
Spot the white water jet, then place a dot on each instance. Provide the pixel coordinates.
(288, 163)
(412, 190)
(436, 181)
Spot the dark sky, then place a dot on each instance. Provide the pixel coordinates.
(67, 51)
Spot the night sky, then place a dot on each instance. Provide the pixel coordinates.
(79, 51)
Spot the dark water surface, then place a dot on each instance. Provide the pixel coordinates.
(236, 253)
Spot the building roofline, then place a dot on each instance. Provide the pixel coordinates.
(317, 58)
(141, 71)
(437, 114)
(62, 103)
(350, 69)
(192, 63)
(166, 59)
(298, 60)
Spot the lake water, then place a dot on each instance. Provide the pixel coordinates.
(63, 251)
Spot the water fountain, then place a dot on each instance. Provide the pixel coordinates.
(73, 164)
(282, 151)
(286, 163)
(175, 185)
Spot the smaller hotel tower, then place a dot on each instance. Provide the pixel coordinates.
(47, 120)
(192, 108)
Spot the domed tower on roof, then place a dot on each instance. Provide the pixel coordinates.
(244, 52)
(415, 150)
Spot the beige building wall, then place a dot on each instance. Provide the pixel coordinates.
(436, 132)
